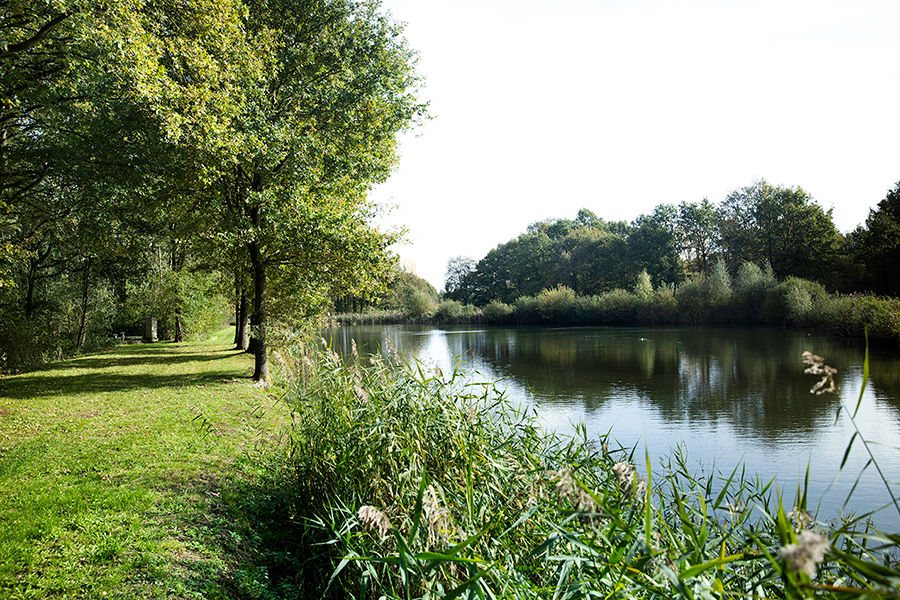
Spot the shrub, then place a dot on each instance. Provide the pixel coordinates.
(792, 302)
(643, 289)
(451, 311)
(527, 310)
(619, 307)
(557, 305)
(751, 284)
(497, 312)
(589, 310)
(417, 303)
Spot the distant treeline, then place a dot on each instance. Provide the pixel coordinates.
(768, 255)
(752, 297)
(761, 224)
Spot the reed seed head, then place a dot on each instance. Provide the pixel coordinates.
(568, 487)
(629, 480)
(806, 553)
(817, 366)
(373, 519)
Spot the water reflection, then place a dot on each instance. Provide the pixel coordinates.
(728, 395)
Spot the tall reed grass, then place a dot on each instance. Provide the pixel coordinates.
(403, 482)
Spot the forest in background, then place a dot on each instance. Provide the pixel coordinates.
(767, 255)
(763, 224)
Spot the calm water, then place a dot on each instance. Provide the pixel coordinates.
(725, 395)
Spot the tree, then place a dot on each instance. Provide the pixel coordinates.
(783, 226)
(316, 129)
(653, 245)
(697, 233)
(459, 283)
(878, 245)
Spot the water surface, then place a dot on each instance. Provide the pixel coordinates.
(726, 396)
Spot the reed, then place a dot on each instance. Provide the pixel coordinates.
(405, 482)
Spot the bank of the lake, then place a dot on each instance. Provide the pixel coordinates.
(756, 299)
(723, 396)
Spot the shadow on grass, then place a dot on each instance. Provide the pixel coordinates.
(108, 372)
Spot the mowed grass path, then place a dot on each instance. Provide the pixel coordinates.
(114, 468)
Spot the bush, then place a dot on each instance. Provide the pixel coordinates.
(751, 284)
(557, 305)
(451, 311)
(619, 307)
(497, 312)
(792, 301)
(527, 310)
(417, 303)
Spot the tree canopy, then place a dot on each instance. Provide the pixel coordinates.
(234, 137)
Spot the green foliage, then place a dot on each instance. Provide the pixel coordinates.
(418, 303)
(793, 301)
(451, 311)
(878, 245)
(497, 312)
(412, 485)
(643, 289)
(783, 226)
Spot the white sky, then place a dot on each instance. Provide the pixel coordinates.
(544, 107)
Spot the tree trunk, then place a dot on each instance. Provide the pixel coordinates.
(81, 335)
(242, 328)
(179, 328)
(237, 311)
(261, 363)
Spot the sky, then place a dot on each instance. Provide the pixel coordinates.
(543, 107)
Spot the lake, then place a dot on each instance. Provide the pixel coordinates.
(726, 396)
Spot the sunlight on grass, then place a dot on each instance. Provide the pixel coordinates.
(112, 467)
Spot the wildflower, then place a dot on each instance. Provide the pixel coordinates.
(629, 481)
(373, 519)
(605, 447)
(806, 553)
(353, 348)
(817, 366)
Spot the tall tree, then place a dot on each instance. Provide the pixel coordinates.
(783, 226)
(653, 245)
(697, 233)
(879, 245)
(316, 129)
(459, 282)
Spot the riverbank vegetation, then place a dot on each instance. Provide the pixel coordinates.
(401, 483)
(767, 255)
(752, 297)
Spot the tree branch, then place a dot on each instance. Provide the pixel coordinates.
(36, 38)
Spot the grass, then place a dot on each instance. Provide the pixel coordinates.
(116, 471)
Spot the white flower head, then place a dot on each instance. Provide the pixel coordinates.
(373, 519)
(806, 553)
(568, 487)
(629, 480)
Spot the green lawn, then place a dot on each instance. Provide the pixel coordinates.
(115, 469)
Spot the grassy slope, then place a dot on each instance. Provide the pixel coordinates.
(112, 468)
